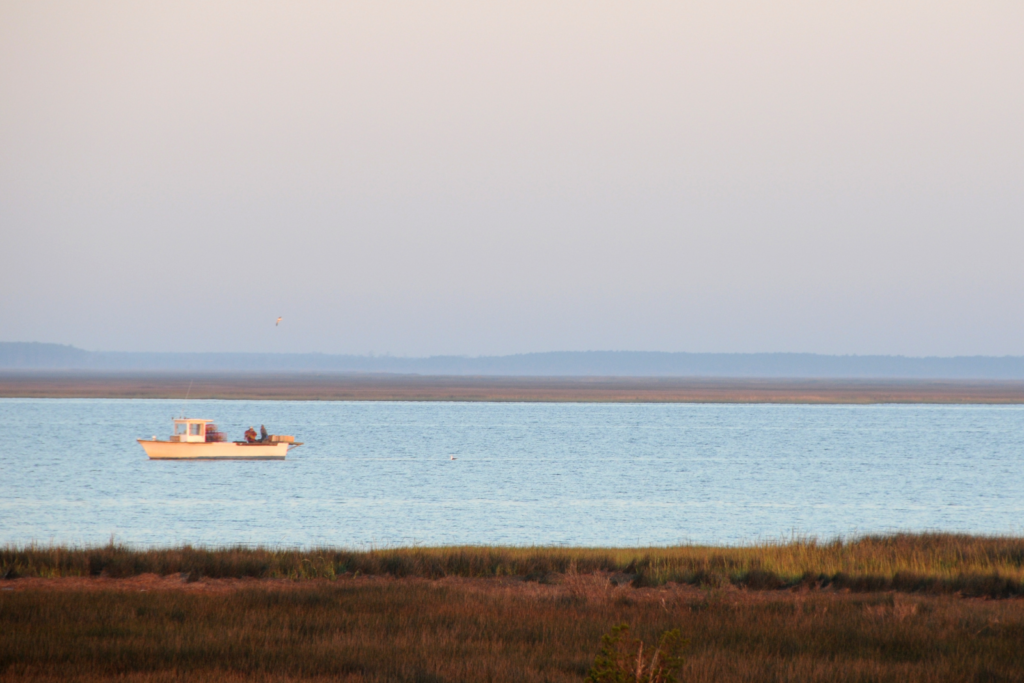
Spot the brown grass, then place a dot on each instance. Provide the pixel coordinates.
(336, 387)
(886, 608)
(418, 630)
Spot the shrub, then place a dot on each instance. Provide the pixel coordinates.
(621, 659)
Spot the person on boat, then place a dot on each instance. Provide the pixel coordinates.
(250, 435)
(263, 433)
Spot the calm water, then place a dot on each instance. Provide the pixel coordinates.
(579, 474)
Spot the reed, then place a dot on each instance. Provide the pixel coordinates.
(934, 563)
(422, 631)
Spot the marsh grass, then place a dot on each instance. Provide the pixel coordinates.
(420, 631)
(930, 563)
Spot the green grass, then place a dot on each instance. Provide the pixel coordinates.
(934, 563)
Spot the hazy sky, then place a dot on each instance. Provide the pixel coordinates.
(489, 177)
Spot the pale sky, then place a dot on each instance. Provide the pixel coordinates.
(488, 178)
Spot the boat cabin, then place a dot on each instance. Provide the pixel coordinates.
(190, 430)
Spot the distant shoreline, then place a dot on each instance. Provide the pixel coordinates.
(34, 356)
(393, 387)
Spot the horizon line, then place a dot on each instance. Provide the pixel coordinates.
(374, 355)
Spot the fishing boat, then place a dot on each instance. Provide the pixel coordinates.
(195, 439)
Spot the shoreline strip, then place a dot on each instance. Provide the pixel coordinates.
(355, 387)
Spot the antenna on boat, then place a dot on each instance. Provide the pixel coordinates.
(183, 405)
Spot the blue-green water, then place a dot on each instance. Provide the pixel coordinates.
(380, 474)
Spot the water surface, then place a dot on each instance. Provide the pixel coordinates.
(380, 474)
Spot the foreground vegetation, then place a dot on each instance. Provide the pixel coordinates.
(416, 630)
(929, 563)
(928, 608)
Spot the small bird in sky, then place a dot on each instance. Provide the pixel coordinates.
(278, 321)
(452, 457)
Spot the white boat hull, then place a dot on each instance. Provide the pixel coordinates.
(222, 450)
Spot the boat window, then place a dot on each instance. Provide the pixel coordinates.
(180, 428)
(195, 429)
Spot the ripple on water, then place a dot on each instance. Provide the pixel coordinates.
(532, 473)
